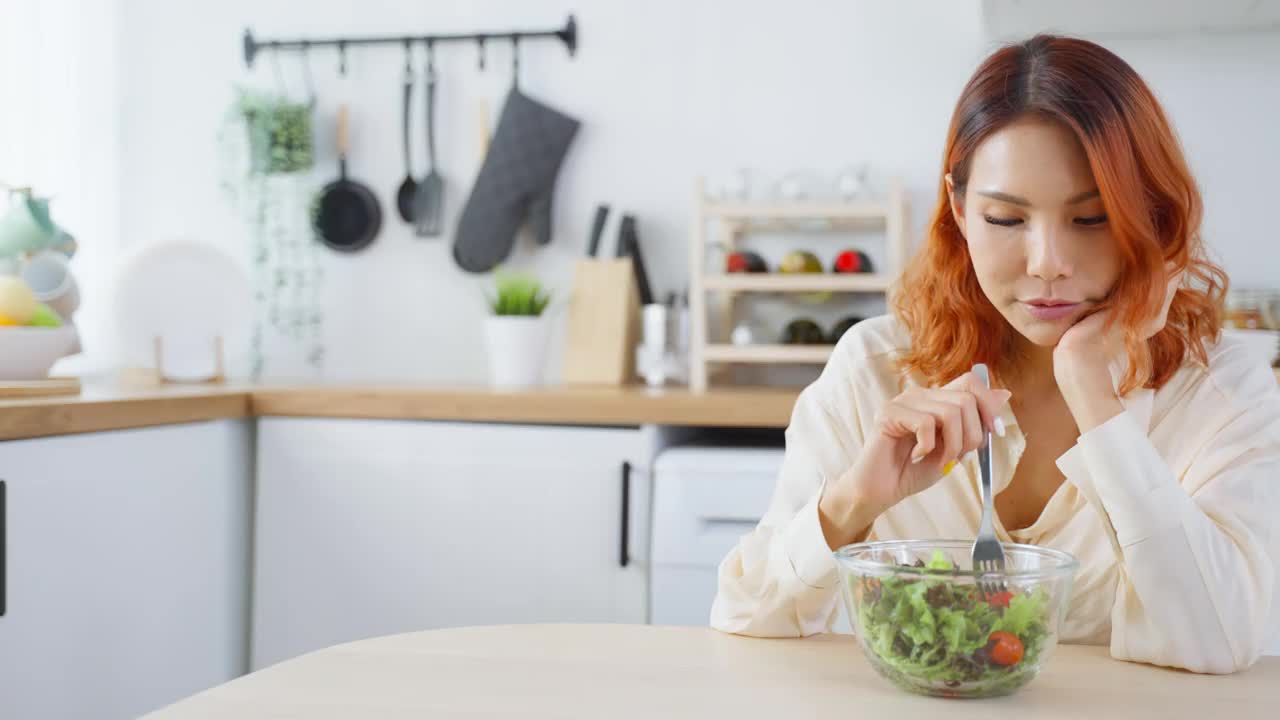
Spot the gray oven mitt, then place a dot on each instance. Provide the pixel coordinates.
(514, 184)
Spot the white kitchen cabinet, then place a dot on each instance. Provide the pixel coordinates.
(127, 573)
(370, 527)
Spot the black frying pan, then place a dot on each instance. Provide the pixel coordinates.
(347, 217)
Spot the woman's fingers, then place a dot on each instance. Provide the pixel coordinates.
(900, 421)
(949, 419)
(974, 429)
(947, 423)
(991, 401)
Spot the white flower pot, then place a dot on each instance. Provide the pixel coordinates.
(517, 348)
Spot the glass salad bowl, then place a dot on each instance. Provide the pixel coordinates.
(924, 624)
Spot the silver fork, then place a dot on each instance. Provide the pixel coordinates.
(988, 554)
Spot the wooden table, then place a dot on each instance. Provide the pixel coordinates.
(623, 671)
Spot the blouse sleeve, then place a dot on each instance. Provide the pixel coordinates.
(1198, 553)
(780, 580)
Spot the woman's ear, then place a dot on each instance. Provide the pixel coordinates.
(957, 209)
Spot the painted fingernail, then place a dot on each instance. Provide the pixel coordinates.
(946, 469)
(1000, 426)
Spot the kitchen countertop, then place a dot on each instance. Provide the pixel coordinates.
(106, 406)
(620, 671)
(117, 407)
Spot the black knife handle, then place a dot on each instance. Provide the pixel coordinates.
(624, 539)
(629, 246)
(4, 569)
(597, 229)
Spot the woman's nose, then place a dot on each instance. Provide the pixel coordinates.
(1048, 254)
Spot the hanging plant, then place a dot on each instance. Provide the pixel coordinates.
(280, 133)
(266, 150)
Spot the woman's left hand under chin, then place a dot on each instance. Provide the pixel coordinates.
(1082, 358)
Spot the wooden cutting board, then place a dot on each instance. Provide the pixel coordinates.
(38, 388)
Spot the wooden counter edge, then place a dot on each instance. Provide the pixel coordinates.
(747, 407)
(740, 407)
(73, 416)
(736, 407)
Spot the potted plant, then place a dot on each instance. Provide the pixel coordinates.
(516, 333)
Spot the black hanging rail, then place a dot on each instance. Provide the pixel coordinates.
(567, 35)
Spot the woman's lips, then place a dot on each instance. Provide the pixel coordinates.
(1050, 312)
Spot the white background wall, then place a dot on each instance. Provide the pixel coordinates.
(666, 90)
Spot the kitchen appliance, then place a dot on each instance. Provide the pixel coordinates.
(704, 499)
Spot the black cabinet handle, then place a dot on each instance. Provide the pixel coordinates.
(624, 557)
(4, 570)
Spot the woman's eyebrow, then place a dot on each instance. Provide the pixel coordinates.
(1015, 200)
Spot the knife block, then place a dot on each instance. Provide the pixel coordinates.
(604, 319)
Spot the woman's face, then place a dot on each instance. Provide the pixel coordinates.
(1036, 229)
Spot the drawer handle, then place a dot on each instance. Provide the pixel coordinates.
(4, 569)
(624, 541)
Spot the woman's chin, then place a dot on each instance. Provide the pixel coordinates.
(1041, 334)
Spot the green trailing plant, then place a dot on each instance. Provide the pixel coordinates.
(280, 133)
(518, 294)
(265, 153)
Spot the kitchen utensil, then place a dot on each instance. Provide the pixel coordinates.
(187, 294)
(27, 353)
(597, 229)
(27, 226)
(406, 194)
(49, 275)
(603, 324)
(515, 183)
(920, 622)
(988, 555)
(629, 246)
(429, 202)
(347, 217)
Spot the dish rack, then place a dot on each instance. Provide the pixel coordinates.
(724, 223)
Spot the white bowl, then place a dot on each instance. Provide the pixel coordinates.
(27, 353)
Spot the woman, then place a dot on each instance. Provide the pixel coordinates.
(1065, 254)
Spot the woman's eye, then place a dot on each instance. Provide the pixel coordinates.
(1093, 220)
(1002, 222)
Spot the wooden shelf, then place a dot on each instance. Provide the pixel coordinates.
(722, 224)
(804, 210)
(806, 282)
(768, 354)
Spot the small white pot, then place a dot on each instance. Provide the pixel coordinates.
(517, 348)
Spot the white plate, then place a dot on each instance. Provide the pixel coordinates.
(188, 294)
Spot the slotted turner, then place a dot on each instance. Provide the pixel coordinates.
(988, 554)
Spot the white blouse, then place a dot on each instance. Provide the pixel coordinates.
(1172, 508)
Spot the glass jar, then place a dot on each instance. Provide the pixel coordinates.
(1244, 310)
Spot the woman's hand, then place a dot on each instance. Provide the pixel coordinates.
(1082, 357)
(916, 436)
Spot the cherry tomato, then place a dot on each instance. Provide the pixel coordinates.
(1005, 648)
(1000, 599)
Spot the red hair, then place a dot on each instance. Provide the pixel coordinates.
(1150, 198)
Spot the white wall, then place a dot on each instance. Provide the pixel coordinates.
(666, 90)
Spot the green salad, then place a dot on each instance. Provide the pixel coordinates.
(941, 633)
